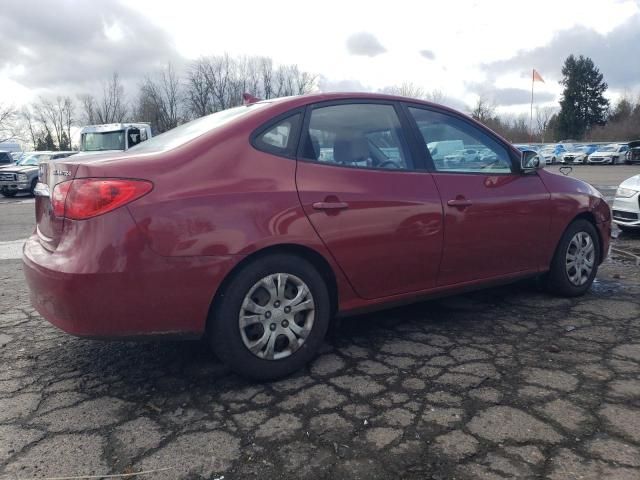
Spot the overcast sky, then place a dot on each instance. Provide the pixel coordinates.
(463, 48)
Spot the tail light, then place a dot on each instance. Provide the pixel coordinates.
(84, 198)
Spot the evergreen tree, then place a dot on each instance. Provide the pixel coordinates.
(45, 142)
(583, 104)
(65, 143)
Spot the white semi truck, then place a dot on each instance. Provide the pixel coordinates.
(113, 137)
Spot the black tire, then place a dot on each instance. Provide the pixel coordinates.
(9, 193)
(223, 328)
(557, 280)
(32, 190)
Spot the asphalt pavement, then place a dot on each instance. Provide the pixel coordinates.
(504, 383)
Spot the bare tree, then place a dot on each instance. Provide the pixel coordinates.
(160, 100)
(435, 96)
(197, 93)
(542, 117)
(57, 117)
(218, 82)
(112, 106)
(484, 110)
(88, 107)
(266, 73)
(8, 116)
(406, 89)
(30, 125)
(217, 74)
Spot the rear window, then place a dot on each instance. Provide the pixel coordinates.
(191, 130)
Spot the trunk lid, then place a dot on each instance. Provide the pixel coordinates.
(48, 226)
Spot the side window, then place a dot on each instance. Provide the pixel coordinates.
(279, 138)
(359, 135)
(458, 146)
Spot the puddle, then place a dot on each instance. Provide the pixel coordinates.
(606, 287)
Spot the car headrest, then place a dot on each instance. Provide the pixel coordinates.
(350, 149)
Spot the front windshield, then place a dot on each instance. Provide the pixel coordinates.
(32, 160)
(187, 132)
(607, 149)
(100, 141)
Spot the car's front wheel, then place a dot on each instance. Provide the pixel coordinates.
(8, 193)
(575, 262)
(271, 318)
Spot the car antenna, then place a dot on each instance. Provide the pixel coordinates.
(248, 99)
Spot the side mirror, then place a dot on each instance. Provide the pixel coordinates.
(530, 161)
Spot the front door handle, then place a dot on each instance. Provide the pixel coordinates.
(459, 203)
(330, 205)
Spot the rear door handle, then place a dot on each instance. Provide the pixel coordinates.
(459, 203)
(330, 205)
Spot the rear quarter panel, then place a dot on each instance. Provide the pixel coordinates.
(223, 197)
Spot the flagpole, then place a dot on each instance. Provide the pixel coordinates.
(531, 114)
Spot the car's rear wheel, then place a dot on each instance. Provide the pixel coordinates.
(271, 318)
(575, 262)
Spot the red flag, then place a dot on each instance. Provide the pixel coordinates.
(537, 77)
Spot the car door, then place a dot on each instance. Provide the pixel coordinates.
(380, 218)
(495, 218)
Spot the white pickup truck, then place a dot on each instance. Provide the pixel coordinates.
(112, 137)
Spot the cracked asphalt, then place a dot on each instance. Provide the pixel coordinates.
(503, 383)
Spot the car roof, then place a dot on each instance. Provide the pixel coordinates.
(298, 100)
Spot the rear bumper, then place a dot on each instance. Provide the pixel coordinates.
(118, 294)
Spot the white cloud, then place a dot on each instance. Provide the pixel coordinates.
(438, 46)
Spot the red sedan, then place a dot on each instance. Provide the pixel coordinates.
(254, 226)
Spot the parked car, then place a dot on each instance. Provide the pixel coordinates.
(23, 176)
(549, 155)
(626, 205)
(609, 154)
(5, 158)
(462, 156)
(576, 155)
(633, 154)
(216, 230)
(17, 156)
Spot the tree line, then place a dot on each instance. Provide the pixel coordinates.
(167, 98)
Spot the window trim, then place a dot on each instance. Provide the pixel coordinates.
(290, 151)
(408, 148)
(423, 150)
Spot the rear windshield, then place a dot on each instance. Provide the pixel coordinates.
(187, 132)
